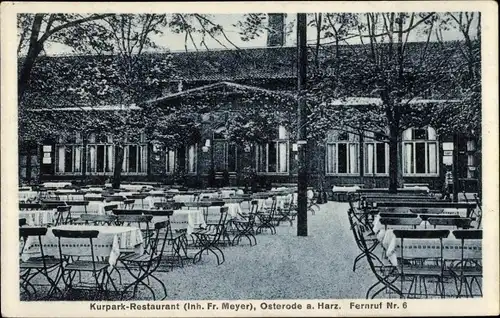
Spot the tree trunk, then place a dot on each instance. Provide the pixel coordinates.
(118, 167)
(24, 76)
(34, 50)
(393, 160)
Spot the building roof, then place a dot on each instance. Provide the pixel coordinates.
(56, 79)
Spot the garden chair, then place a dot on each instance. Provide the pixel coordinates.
(469, 270)
(211, 236)
(71, 264)
(418, 270)
(143, 266)
(36, 266)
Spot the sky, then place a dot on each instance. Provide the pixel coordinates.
(175, 42)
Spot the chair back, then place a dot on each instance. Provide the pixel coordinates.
(426, 217)
(67, 251)
(169, 205)
(159, 241)
(78, 203)
(22, 222)
(413, 222)
(119, 212)
(221, 226)
(461, 223)
(421, 234)
(162, 212)
(110, 207)
(117, 198)
(25, 232)
(128, 219)
(468, 234)
(94, 199)
(397, 215)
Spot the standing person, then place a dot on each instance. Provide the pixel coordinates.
(448, 185)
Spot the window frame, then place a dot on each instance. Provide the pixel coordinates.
(413, 143)
(277, 151)
(167, 160)
(336, 144)
(365, 164)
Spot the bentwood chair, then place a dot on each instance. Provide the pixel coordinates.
(72, 264)
(36, 265)
(469, 270)
(141, 267)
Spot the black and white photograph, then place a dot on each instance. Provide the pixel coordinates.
(166, 160)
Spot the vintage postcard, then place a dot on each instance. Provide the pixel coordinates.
(249, 159)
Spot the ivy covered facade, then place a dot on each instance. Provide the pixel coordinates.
(209, 156)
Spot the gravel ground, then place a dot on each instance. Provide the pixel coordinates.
(281, 266)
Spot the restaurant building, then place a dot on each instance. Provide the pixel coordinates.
(343, 158)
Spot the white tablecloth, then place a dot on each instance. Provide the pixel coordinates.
(135, 187)
(27, 195)
(345, 189)
(227, 193)
(430, 248)
(233, 210)
(94, 207)
(38, 217)
(184, 198)
(56, 184)
(184, 220)
(112, 240)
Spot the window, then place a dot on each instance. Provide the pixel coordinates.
(135, 156)
(420, 152)
(100, 154)
(342, 153)
(69, 155)
(170, 160)
(273, 157)
(191, 158)
(376, 158)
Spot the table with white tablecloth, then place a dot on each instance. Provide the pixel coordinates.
(227, 193)
(112, 241)
(27, 196)
(184, 219)
(184, 198)
(430, 248)
(233, 210)
(94, 207)
(38, 217)
(57, 184)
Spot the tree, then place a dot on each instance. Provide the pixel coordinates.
(397, 72)
(36, 30)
